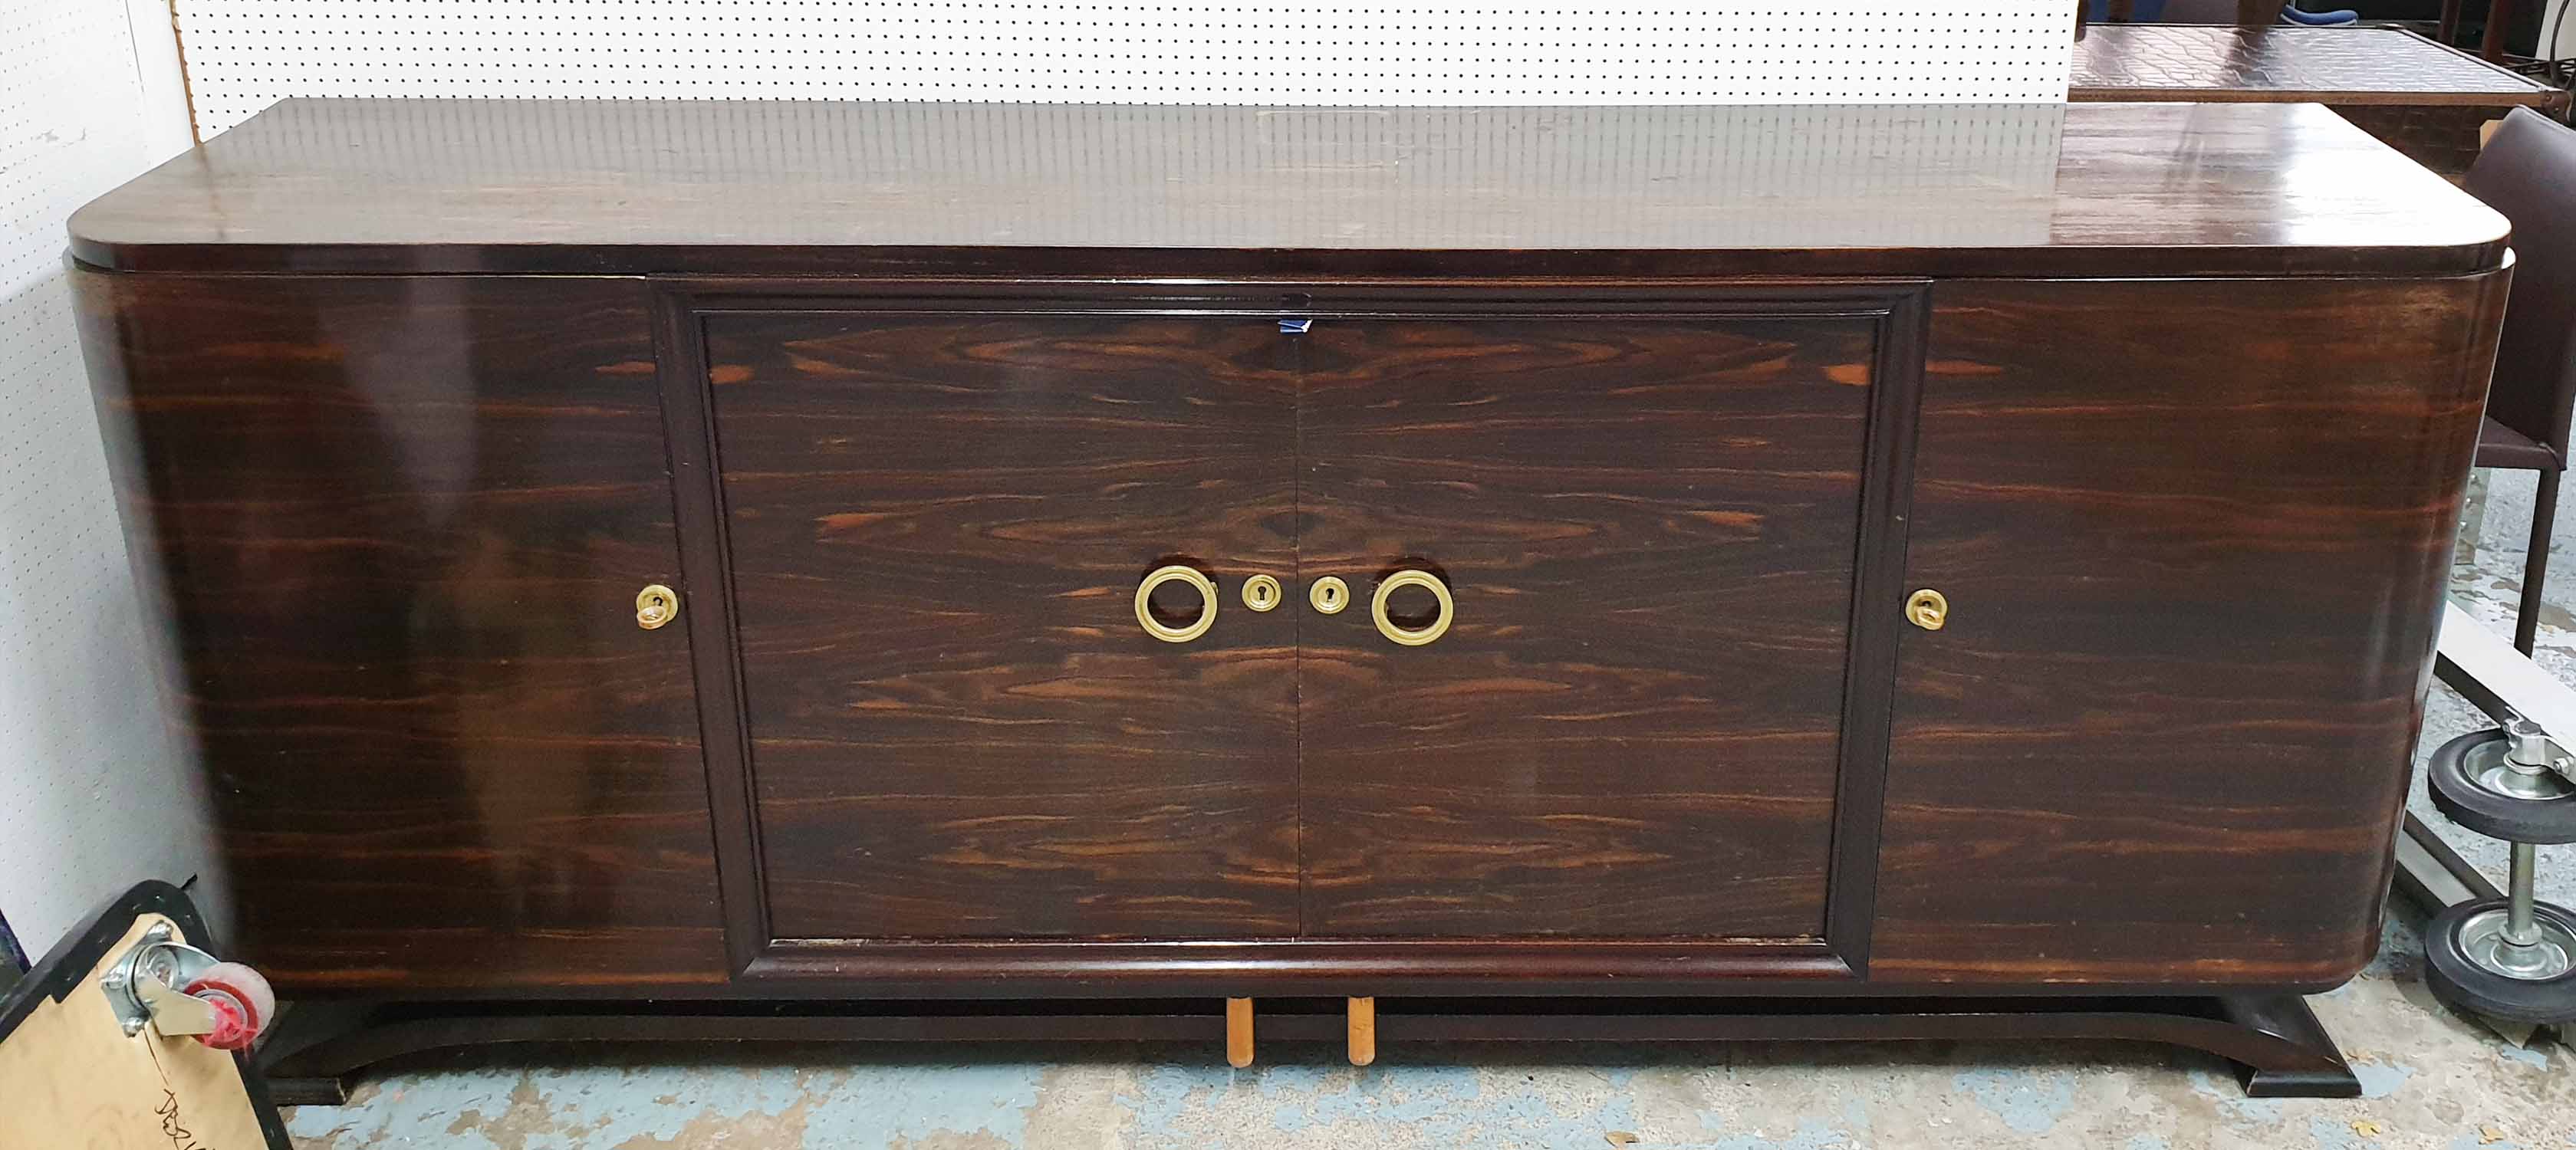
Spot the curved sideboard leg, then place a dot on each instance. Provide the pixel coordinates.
(2303, 1062)
(2276, 1043)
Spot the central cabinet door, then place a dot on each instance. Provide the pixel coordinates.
(1646, 528)
(958, 725)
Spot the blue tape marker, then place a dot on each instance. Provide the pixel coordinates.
(1295, 326)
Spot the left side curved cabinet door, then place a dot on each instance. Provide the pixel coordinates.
(74, 1076)
(397, 526)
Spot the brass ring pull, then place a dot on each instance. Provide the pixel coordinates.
(1176, 573)
(1413, 578)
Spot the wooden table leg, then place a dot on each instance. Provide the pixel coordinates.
(1238, 1032)
(2257, 13)
(2499, 18)
(2450, 34)
(1363, 1041)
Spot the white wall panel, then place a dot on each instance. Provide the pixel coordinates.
(246, 54)
(95, 790)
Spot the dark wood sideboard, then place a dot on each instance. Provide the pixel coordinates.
(1679, 410)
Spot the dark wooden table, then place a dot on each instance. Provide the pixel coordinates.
(2420, 97)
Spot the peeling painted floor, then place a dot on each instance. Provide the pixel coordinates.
(2431, 1079)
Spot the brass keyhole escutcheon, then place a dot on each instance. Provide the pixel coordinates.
(655, 606)
(1412, 636)
(1261, 592)
(1329, 595)
(1928, 609)
(1176, 573)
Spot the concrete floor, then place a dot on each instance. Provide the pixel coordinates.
(2431, 1079)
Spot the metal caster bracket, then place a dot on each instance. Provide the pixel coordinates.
(144, 986)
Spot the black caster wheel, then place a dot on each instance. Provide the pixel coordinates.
(2474, 785)
(2471, 966)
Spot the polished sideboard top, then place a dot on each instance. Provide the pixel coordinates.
(816, 188)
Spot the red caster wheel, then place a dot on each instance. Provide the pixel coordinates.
(243, 1003)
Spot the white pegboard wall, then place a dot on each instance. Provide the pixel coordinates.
(243, 55)
(95, 788)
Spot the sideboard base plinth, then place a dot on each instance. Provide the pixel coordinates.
(2277, 1045)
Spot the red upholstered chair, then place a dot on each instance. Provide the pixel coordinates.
(2528, 172)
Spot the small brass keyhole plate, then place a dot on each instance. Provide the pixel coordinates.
(655, 606)
(1329, 595)
(1261, 592)
(1928, 609)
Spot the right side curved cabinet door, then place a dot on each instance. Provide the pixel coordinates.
(2194, 536)
(1648, 526)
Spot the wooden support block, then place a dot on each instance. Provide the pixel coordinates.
(1238, 1032)
(1363, 1031)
